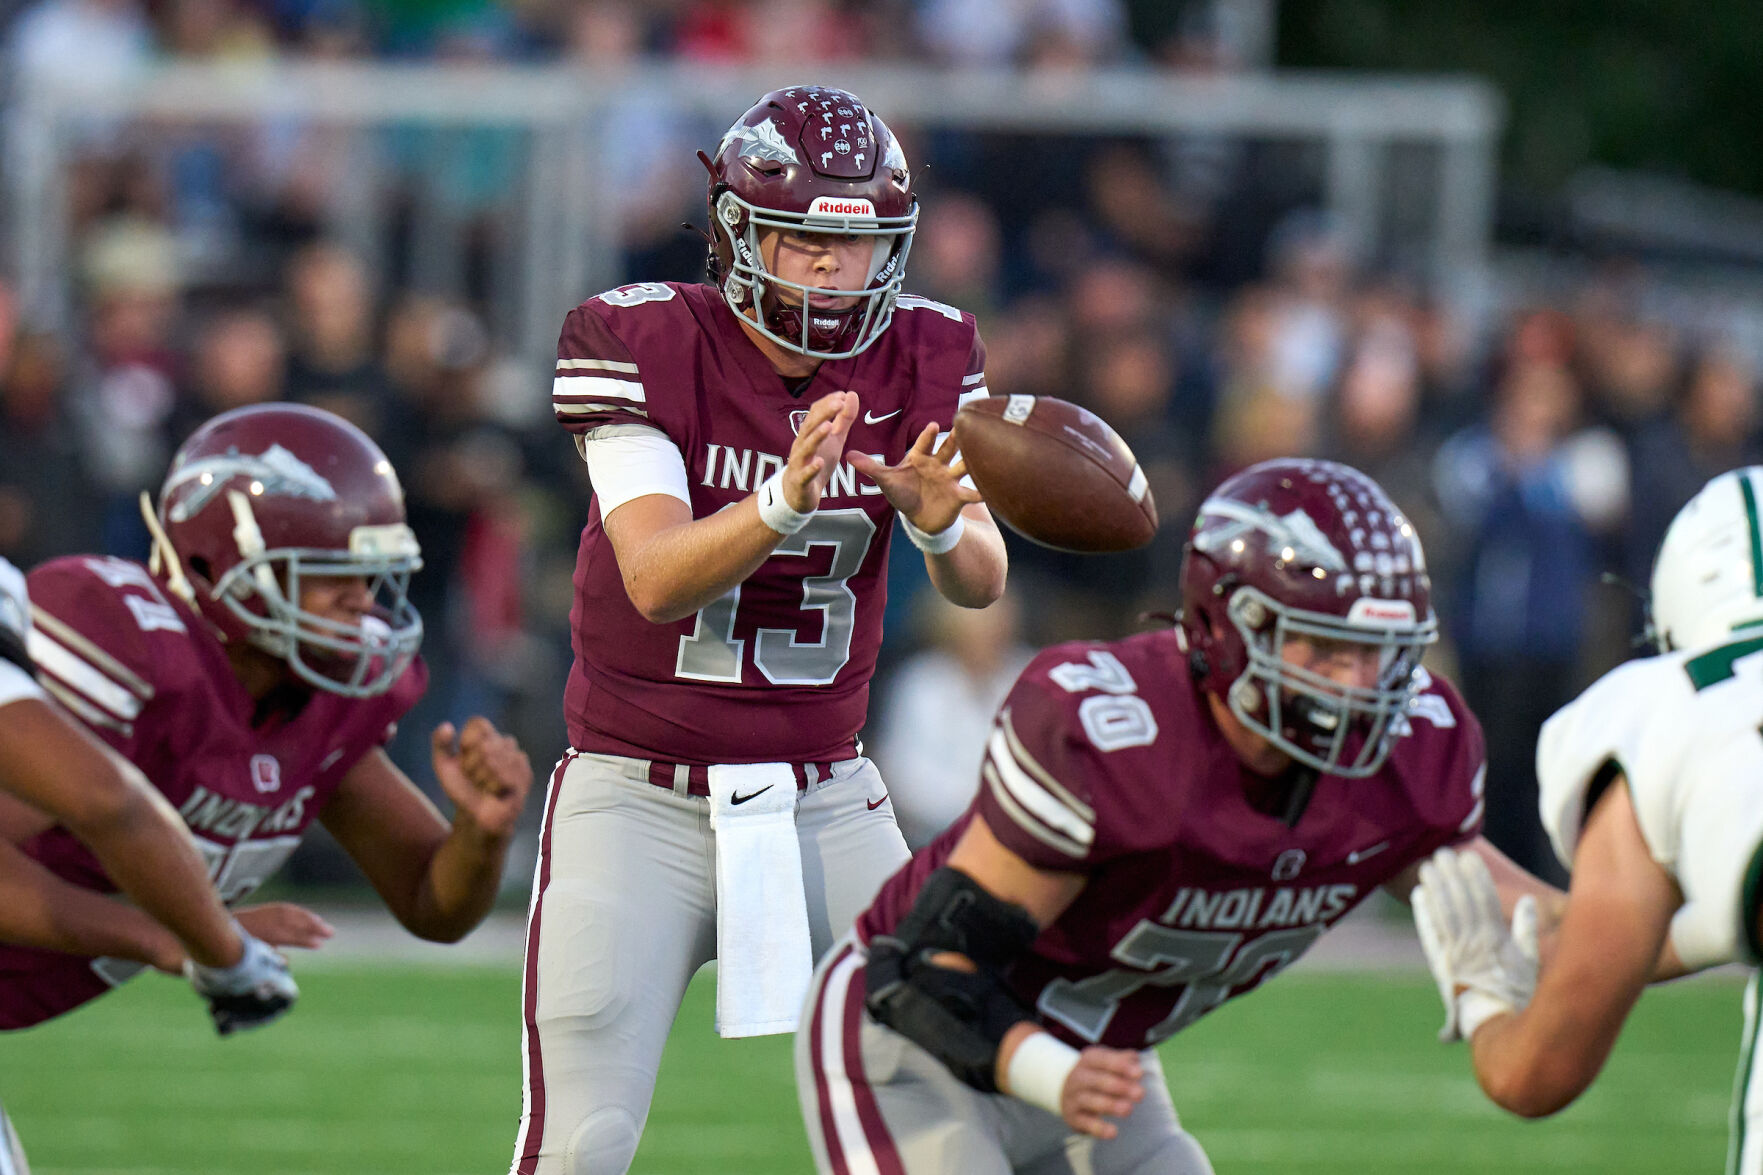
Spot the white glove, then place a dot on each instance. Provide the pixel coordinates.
(252, 992)
(1483, 968)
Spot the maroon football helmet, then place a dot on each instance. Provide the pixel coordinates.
(260, 499)
(810, 159)
(1307, 549)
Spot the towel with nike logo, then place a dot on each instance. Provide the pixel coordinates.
(763, 956)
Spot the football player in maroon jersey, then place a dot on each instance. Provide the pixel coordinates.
(1163, 823)
(50, 763)
(751, 443)
(252, 673)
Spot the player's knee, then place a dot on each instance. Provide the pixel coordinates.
(603, 1144)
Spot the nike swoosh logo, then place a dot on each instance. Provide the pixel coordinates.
(872, 418)
(740, 799)
(1358, 855)
(874, 804)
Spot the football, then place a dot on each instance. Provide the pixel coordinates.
(1056, 473)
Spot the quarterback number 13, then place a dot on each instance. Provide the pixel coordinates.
(712, 653)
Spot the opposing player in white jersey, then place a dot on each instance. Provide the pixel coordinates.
(1652, 791)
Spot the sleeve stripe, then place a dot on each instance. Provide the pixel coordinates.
(595, 365)
(57, 661)
(588, 409)
(597, 385)
(1027, 822)
(978, 377)
(76, 640)
(1046, 807)
(966, 398)
(1021, 755)
(86, 713)
(1474, 815)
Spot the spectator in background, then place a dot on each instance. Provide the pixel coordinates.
(124, 391)
(331, 359)
(240, 359)
(47, 503)
(957, 254)
(1373, 420)
(974, 33)
(1529, 492)
(1711, 427)
(937, 710)
(72, 42)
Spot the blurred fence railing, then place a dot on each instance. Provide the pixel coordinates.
(560, 240)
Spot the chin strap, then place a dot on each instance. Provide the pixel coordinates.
(164, 555)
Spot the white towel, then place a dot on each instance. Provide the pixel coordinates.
(763, 956)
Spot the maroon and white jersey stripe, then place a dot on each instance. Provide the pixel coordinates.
(851, 1124)
(778, 669)
(147, 676)
(1105, 761)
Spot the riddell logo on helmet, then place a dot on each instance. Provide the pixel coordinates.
(831, 206)
(1366, 611)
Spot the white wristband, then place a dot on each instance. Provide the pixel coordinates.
(1475, 1008)
(1038, 1069)
(940, 543)
(774, 511)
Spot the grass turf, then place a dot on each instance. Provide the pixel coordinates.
(396, 1071)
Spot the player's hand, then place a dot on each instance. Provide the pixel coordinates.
(814, 455)
(251, 993)
(1106, 1083)
(485, 773)
(1483, 967)
(926, 485)
(283, 924)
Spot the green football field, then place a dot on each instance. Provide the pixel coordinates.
(416, 1072)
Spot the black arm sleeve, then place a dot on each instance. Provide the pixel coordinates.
(959, 1017)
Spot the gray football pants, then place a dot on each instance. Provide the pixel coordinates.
(623, 914)
(875, 1103)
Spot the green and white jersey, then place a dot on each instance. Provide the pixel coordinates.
(1683, 728)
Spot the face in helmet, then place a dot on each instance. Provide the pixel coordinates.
(1708, 577)
(284, 526)
(1306, 606)
(810, 169)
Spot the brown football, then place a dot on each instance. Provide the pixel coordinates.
(1056, 473)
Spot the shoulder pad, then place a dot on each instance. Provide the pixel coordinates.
(1626, 718)
(105, 635)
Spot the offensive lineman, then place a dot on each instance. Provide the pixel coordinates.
(50, 763)
(1649, 786)
(252, 672)
(750, 443)
(1163, 823)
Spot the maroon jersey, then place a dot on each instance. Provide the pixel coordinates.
(779, 669)
(1103, 761)
(146, 675)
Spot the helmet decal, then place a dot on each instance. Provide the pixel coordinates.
(273, 472)
(1295, 531)
(764, 141)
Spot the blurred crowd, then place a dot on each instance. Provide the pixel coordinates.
(1188, 291)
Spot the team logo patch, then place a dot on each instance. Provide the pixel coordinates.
(798, 418)
(266, 773)
(1287, 864)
